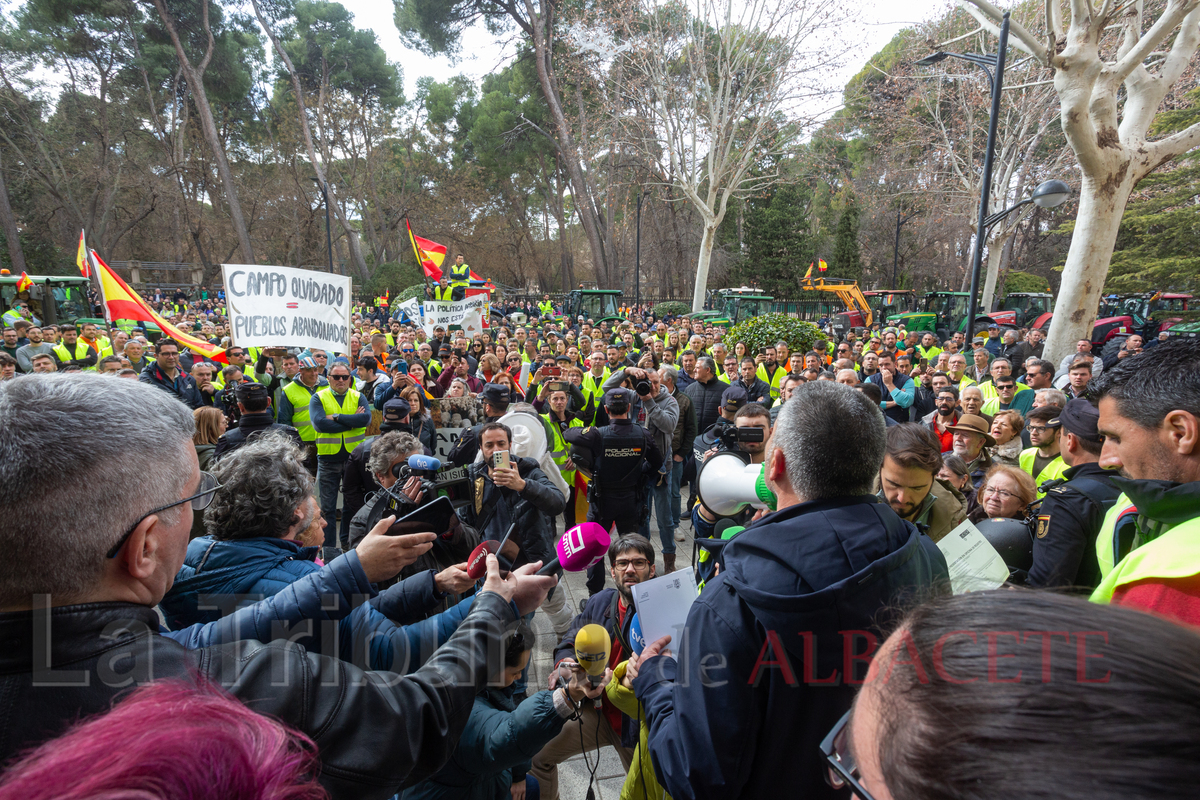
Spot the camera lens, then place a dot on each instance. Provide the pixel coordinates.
(643, 387)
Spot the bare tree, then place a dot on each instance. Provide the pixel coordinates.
(1106, 127)
(728, 89)
(194, 75)
(9, 224)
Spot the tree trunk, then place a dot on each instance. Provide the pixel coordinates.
(702, 263)
(195, 81)
(352, 244)
(1083, 276)
(995, 255)
(9, 223)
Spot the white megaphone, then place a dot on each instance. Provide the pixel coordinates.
(726, 485)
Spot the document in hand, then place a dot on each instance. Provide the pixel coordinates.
(974, 564)
(663, 604)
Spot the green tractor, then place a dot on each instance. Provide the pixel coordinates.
(941, 313)
(53, 299)
(596, 305)
(731, 306)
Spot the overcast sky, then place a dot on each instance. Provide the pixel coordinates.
(483, 53)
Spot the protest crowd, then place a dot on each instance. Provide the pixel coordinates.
(219, 579)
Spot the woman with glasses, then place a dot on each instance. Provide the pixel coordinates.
(1084, 702)
(1006, 493)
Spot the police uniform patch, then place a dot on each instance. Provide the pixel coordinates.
(1043, 525)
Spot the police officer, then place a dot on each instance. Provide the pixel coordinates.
(254, 405)
(495, 405)
(621, 454)
(1073, 511)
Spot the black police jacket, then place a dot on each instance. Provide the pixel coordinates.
(372, 736)
(1068, 521)
(249, 426)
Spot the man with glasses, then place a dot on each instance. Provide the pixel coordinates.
(1044, 460)
(93, 597)
(165, 373)
(340, 415)
(631, 561)
(763, 668)
(294, 402)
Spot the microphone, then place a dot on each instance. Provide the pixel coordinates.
(592, 647)
(424, 464)
(637, 640)
(477, 563)
(579, 548)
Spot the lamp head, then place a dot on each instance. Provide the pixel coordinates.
(932, 58)
(1051, 194)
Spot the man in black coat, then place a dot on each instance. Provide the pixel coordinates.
(166, 374)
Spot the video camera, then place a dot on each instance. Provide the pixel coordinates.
(424, 468)
(728, 436)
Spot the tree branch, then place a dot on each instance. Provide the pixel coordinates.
(1162, 27)
(990, 17)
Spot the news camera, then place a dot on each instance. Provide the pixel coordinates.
(424, 469)
(728, 435)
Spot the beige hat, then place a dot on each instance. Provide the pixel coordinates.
(969, 423)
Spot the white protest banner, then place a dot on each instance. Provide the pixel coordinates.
(410, 308)
(468, 314)
(287, 307)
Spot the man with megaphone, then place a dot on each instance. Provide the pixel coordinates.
(775, 645)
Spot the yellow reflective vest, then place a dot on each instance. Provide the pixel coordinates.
(81, 351)
(560, 451)
(330, 444)
(1050, 472)
(299, 395)
(774, 380)
(460, 275)
(1172, 555)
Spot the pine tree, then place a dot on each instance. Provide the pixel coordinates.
(778, 242)
(846, 262)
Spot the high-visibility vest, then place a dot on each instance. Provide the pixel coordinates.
(929, 355)
(965, 383)
(330, 444)
(460, 275)
(592, 386)
(1171, 556)
(1106, 541)
(546, 307)
(774, 380)
(299, 395)
(1050, 472)
(560, 451)
(81, 351)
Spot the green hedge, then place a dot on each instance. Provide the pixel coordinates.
(766, 330)
(671, 307)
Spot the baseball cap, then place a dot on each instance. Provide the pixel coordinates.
(1079, 417)
(496, 394)
(979, 340)
(995, 325)
(396, 409)
(733, 398)
(618, 394)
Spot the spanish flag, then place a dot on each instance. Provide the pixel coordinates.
(124, 303)
(429, 254)
(821, 265)
(81, 258)
(23, 283)
(809, 273)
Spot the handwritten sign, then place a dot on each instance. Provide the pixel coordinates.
(287, 307)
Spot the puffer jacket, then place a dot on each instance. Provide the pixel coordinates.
(226, 574)
(533, 509)
(496, 748)
(640, 783)
(706, 397)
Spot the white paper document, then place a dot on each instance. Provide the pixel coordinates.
(975, 565)
(663, 603)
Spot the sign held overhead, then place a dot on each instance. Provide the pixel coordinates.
(285, 306)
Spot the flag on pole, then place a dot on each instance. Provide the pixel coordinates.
(24, 282)
(81, 257)
(809, 273)
(122, 302)
(821, 265)
(430, 254)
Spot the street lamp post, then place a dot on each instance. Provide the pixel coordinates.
(988, 64)
(328, 236)
(900, 220)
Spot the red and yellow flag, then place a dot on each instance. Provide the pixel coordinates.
(821, 265)
(124, 303)
(23, 283)
(429, 254)
(81, 258)
(809, 273)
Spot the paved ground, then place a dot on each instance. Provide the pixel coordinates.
(573, 774)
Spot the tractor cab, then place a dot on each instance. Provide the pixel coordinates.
(597, 305)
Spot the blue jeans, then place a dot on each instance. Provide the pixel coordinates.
(329, 482)
(676, 477)
(660, 495)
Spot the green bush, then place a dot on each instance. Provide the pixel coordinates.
(671, 307)
(416, 290)
(766, 330)
(1016, 281)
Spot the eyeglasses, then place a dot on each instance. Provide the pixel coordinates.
(1038, 428)
(199, 501)
(623, 564)
(843, 767)
(1001, 493)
